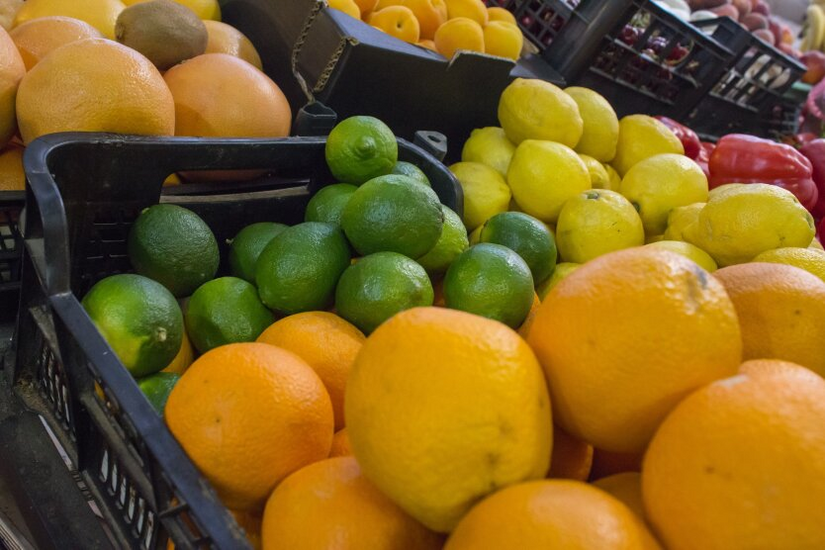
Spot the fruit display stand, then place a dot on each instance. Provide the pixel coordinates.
(84, 192)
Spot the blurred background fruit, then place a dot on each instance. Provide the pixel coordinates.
(12, 70)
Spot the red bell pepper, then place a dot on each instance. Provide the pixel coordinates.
(703, 159)
(688, 137)
(815, 152)
(739, 158)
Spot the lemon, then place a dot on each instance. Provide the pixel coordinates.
(614, 179)
(544, 175)
(562, 270)
(535, 109)
(816, 245)
(475, 236)
(658, 184)
(489, 146)
(689, 251)
(101, 14)
(599, 178)
(204, 9)
(812, 261)
(679, 219)
(597, 222)
(485, 192)
(641, 137)
(740, 221)
(601, 125)
(649, 239)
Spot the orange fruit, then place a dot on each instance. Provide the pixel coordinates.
(330, 504)
(94, 85)
(626, 487)
(223, 38)
(397, 21)
(459, 34)
(250, 522)
(12, 71)
(347, 6)
(471, 9)
(381, 4)
(185, 356)
(572, 458)
(754, 367)
(500, 14)
(616, 368)
(782, 312)
(340, 444)
(429, 44)
(366, 6)
(248, 415)
(431, 14)
(503, 39)
(524, 329)
(101, 14)
(12, 176)
(607, 463)
(326, 342)
(219, 95)
(550, 514)
(36, 38)
(739, 465)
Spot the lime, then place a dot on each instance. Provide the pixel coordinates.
(361, 148)
(248, 245)
(393, 213)
(535, 109)
(641, 137)
(452, 242)
(489, 146)
(327, 205)
(157, 387)
(298, 269)
(492, 281)
(173, 246)
(601, 125)
(380, 285)
(485, 192)
(410, 170)
(225, 311)
(139, 318)
(692, 253)
(475, 236)
(527, 237)
(562, 270)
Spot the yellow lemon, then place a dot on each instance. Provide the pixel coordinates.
(489, 146)
(503, 39)
(689, 251)
(740, 221)
(614, 179)
(485, 192)
(641, 137)
(599, 178)
(658, 184)
(543, 175)
(535, 109)
(562, 270)
(101, 14)
(597, 222)
(812, 261)
(679, 219)
(816, 245)
(650, 239)
(204, 9)
(601, 125)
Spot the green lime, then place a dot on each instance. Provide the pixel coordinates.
(248, 245)
(140, 320)
(394, 214)
(327, 205)
(173, 246)
(225, 311)
(492, 281)
(380, 285)
(452, 242)
(361, 148)
(527, 237)
(298, 269)
(410, 170)
(157, 387)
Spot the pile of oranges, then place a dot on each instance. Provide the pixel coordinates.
(445, 26)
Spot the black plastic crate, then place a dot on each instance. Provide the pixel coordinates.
(11, 206)
(539, 20)
(85, 191)
(638, 55)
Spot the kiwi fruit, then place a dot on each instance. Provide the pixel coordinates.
(162, 30)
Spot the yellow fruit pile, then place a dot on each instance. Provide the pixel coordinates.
(445, 26)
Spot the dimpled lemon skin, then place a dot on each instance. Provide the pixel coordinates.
(534, 109)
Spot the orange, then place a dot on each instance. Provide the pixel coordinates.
(754, 367)
(503, 39)
(397, 21)
(366, 6)
(429, 44)
(12, 176)
(550, 514)
(459, 34)
(101, 14)
(248, 415)
(326, 342)
(431, 14)
(340, 444)
(782, 312)
(330, 504)
(94, 85)
(524, 329)
(36, 38)
(500, 14)
(227, 39)
(572, 458)
(218, 95)
(471, 9)
(250, 522)
(347, 6)
(626, 487)
(12, 71)
(627, 336)
(185, 356)
(607, 463)
(738, 465)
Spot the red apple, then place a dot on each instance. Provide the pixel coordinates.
(761, 7)
(815, 61)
